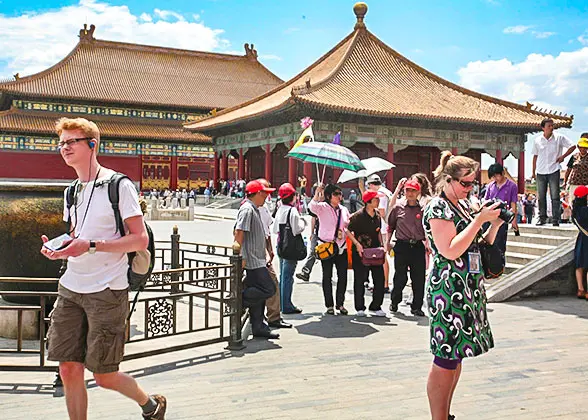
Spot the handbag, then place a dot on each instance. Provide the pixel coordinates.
(373, 256)
(328, 250)
(290, 246)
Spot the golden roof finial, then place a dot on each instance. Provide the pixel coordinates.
(360, 9)
(87, 34)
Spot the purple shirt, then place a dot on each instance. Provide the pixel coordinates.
(508, 192)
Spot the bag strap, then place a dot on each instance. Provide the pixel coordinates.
(288, 224)
(69, 200)
(579, 226)
(114, 197)
(461, 212)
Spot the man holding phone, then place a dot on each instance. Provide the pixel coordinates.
(88, 321)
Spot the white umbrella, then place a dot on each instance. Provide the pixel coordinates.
(372, 165)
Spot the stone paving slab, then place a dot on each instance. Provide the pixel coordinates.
(344, 367)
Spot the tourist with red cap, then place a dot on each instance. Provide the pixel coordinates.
(406, 219)
(250, 235)
(580, 219)
(289, 217)
(333, 220)
(365, 232)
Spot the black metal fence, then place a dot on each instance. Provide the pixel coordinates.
(191, 300)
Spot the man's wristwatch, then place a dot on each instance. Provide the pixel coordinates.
(92, 249)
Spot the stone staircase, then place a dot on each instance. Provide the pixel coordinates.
(537, 253)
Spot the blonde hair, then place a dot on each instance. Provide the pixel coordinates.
(89, 128)
(453, 167)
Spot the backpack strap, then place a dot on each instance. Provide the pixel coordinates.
(70, 197)
(114, 197)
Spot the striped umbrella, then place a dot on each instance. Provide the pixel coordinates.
(328, 154)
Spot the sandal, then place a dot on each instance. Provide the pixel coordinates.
(582, 294)
(342, 310)
(331, 311)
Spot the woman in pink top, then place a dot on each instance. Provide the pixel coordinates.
(333, 220)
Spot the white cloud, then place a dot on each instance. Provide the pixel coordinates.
(583, 39)
(32, 41)
(550, 82)
(518, 29)
(543, 35)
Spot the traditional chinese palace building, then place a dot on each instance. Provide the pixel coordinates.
(139, 96)
(382, 103)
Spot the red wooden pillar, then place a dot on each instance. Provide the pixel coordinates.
(215, 171)
(454, 151)
(140, 162)
(224, 166)
(268, 163)
(292, 169)
(308, 175)
(174, 173)
(499, 156)
(390, 174)
(521, 176)
(241, 165)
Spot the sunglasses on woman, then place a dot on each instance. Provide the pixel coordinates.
(465, 184)
(337, 193)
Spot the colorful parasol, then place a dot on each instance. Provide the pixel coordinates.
(328, 154)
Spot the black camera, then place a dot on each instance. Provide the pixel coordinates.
(505, 213)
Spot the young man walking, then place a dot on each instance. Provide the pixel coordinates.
(250, 234)
(406, 218)
(88, 320)
(504, 189)
(548, 154)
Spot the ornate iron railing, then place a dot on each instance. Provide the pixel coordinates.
(195, 293)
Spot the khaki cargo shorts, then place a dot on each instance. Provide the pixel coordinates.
(89, 329)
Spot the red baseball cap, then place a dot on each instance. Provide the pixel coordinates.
(412, 184)
(369, 195)
(581, 191)
(253, 187)
(286, 190)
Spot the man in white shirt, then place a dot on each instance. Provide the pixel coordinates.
(548, 154)
(88, 322)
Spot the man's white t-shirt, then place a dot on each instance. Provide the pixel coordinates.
(384, 200)
(547, 151)
(91, 273)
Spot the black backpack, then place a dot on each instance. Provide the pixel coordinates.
(137, 281)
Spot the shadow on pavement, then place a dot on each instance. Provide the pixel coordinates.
(421, 321)
(340, 326)
(255, 345)
(34, 389)
(565, 305)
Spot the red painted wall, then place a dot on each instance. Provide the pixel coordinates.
(51, 165)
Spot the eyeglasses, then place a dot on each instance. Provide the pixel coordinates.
(465, 184)
(71, 142)
(337, 193)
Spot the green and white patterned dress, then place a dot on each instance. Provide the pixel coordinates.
(456, 298)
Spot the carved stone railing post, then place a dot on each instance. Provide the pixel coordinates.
(236, 303)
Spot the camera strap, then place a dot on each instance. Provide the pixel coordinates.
(464, 214)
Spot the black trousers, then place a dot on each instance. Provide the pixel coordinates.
(500, 241)
(360, 277)
(340, 262)
(409, 256)
(257, 287)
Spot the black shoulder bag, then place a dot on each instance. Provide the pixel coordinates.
(290, 246)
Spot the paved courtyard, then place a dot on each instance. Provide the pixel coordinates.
(344, 367)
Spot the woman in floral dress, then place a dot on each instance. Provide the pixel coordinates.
(455, 291)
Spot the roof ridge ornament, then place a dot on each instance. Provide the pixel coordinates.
(87, 35)
(360, 9)
(250, 52)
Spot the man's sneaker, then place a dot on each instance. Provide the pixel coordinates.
(159, 412)
(379, 312)
(393, 307)
(303, 276)
(417, 312)
(360, 313)
(555, 224)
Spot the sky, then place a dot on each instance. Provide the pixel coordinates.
(534, 51)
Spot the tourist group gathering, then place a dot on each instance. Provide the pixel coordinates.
(426, 229)
(321, 229)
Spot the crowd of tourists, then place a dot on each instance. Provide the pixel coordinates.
(446, 231)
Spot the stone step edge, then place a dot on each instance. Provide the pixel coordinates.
(520, 280)
(530, 245)
(521, 255)
(538, 236)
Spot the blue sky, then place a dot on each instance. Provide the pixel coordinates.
(518, 50)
